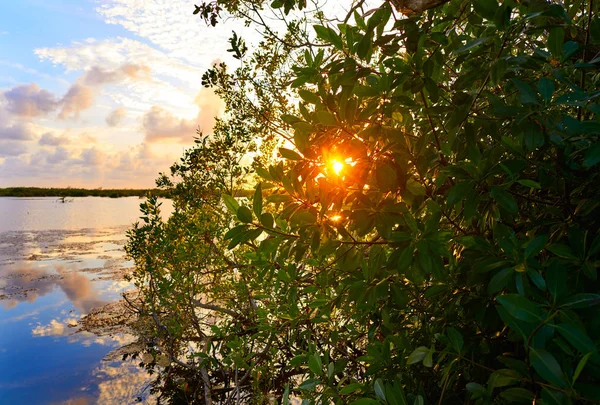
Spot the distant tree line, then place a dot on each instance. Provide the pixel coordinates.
(78, 192)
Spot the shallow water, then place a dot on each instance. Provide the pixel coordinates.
(58, 261)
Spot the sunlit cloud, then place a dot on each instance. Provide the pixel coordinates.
(138, 97)
(30, 101)
(116, 116)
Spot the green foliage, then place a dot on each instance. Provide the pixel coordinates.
(449, 256)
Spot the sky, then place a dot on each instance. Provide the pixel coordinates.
(103, 93)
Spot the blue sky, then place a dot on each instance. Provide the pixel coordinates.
(102, 93)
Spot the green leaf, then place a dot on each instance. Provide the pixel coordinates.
(556, 38)
(235, 231)
(417, 355)
(326, 118)
(486, 8)
(530, 184)
(414, 187)
(366, 91)
(527, 94)
(350, 388)
(459, 192)
(323, 33)
(365, 401)
(257, 201)
(546, 88)
(428, 360)
(290, 119)
(556, 281)
(386, 177)
(314, 364)
(561, 250)
(395, 394)
(498, 70)
(592, 155)
(500, 280)
(309, 97)
(244, 214)
(537, 279)
(554, 397)
(266, 220)
(365, 46)
(471, 45)
(289, 154)
(520, 307)
(576, 336)
(309, 384)
(475, 387)
(547, 367)
(582, 300)
(286, 395)
(231, 203)
(303, 217)
(262, 172)
(517, 395)
(379, 389)
(580, 366)
(505, 200)
(535, 246)
(456, 339)
(503, 378)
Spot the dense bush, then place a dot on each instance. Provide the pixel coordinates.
(427, 232)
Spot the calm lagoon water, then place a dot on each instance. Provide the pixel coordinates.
(58, 261)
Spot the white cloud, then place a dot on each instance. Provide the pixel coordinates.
(171, 25)
(111, 53)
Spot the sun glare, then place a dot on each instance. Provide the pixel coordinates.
(337, 166)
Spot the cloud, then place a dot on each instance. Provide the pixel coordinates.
(120, 382)
(18, 131)
(160, 124)
(60, 155)
(115, 117)
(171, 25)
(56, 328)
(30, 283)
(12, 148)
(49, 139)
(78, 98)
(97, 76)
(116, 54)
(92, 157)
(30, 101)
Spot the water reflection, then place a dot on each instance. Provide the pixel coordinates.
(50, 277)
(27, 284)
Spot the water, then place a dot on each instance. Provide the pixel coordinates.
(58, 261)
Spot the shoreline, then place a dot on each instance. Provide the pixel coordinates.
(77, 192)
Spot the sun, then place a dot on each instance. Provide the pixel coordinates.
(337, 166)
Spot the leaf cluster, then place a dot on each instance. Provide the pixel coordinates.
(450, 255)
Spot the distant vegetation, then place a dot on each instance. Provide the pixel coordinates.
(77, 192)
